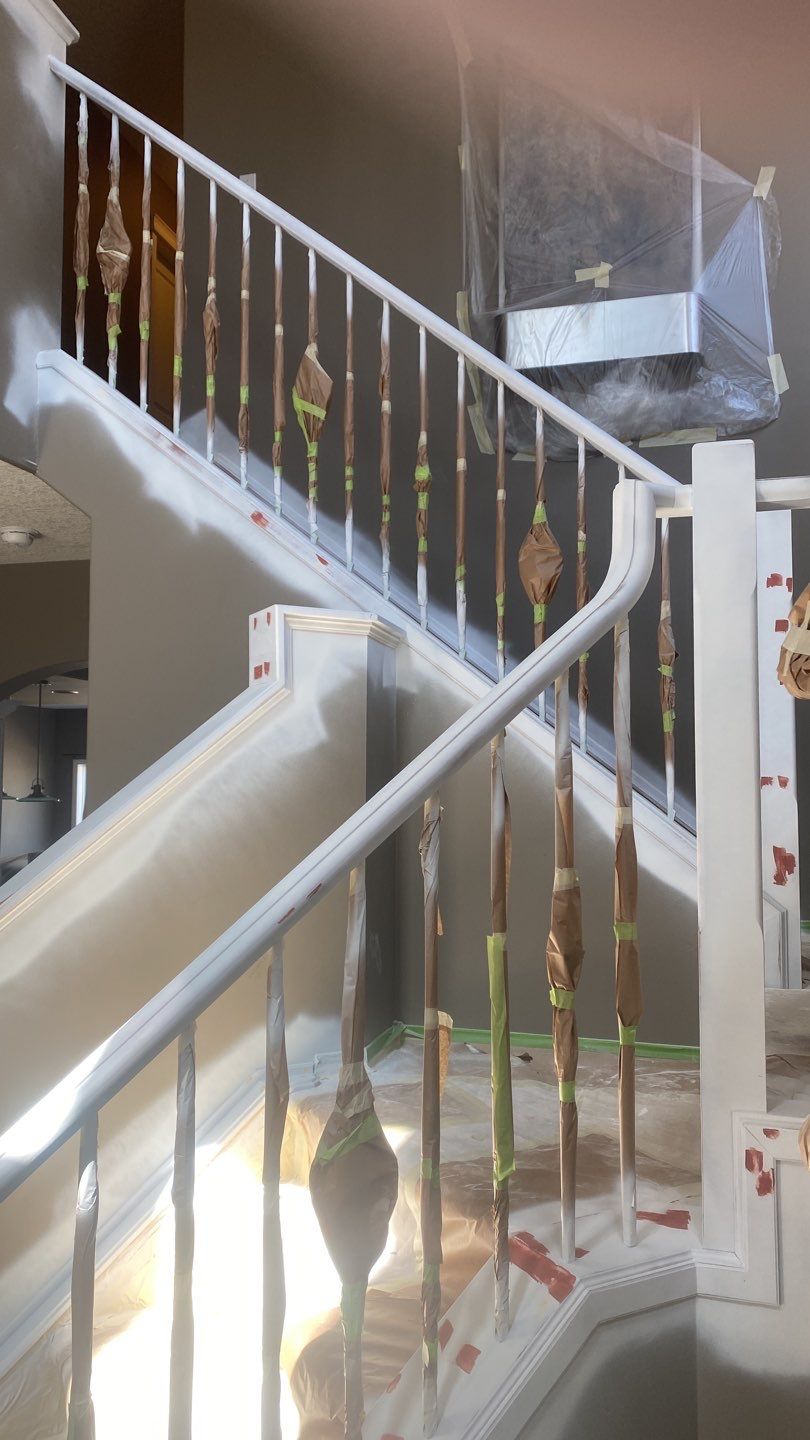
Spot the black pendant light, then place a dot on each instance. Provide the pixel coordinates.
(38, 795)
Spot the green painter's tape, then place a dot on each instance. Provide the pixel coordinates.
(627, 1034)
(178, 366)
(665, 670)
(422, 500)
(562, 999)
(352, 1309)
(461, 571)
(368, 1129)
(422, 472)
(244, 394)
(422, 545)
(669, 722)
(210, 386)
(625, 930)
(529, 1040)
(539, 517)
(568, 1091)
(540, 613)
(82, 282)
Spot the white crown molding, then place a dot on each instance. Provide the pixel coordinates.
(56, 18)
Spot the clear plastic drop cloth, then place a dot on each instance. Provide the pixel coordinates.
(614, 263)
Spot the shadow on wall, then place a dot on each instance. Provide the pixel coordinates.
(31, 166)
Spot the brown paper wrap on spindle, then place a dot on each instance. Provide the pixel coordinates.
(500, 539)
(794, 657)
(312, 396)
(348, 424)
(81, 229)
(804, 1143)
(279, 400)
(114, 251)
(540, 560)
(421, 484)
(354, 1177)
(243, 417)
(583, 588)
(667, 655)
(211, 329)
(385, 449)
(564, 954)
(430, 1183)
(625, 903)
(503, 1137)
(145, 293)
(180, 299)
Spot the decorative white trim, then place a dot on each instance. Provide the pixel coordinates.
(57, 20)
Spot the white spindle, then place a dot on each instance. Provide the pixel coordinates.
(181, 1370)
(81, 1422)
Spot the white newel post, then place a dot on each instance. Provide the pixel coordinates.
(729, 853)
(780, 811)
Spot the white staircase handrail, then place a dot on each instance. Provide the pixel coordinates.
(37, 1135)
(664, 486)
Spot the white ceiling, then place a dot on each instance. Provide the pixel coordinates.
(26, 502)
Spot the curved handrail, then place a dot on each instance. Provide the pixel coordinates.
(120, 1058)
(664, 486)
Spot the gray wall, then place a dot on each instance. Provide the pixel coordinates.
(31, 165)
(46, 620)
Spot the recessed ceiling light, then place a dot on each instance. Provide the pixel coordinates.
(19, 536)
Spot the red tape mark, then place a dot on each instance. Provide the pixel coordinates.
(259, 519)
(788, 582)
(670, 1219)
(770, 1134)
(765, 781)
(781, 627)
(255, 622)
(533, 1258)
(466, 1358)
(773, 580)
(755, 1165)
(580, 1254)
(257, 672)
(267, 667)
(785, 865)
(783, 781)
(392, 1385)
(322, 561)
(445, 1334)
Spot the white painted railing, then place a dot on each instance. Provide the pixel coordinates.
(509, 387)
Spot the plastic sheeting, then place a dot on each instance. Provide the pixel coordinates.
(592, 233)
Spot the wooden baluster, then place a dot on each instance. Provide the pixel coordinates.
(348, 426)
(312, 460)
(114, 250)
(180, 298)
(181, 1365)
(430, 1185)
(503, 1134)
(279, 401)
(625, 910)
(81, 1421)
(667, 655)
(583, 592)
(564, 962)
(243, 423)
(500, 538)
(385, 446)
(145, 296)
(421, 485)
(211, 327)
(276, 1098)
(461, 510)
(81, 230)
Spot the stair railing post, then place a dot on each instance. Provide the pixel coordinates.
(729, 857)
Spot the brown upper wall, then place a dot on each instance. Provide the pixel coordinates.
(46, 619)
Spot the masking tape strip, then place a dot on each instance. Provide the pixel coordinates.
(797, 641)
(778, 374)
(594, 272)
(624, 816)
(565, 878)
(762, 189)
(431, 1018)
(699, 436)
